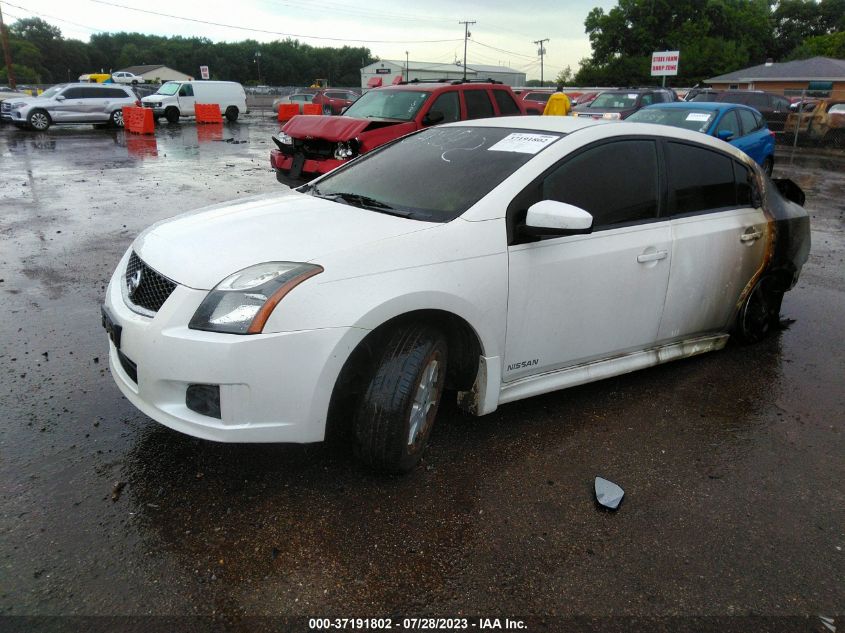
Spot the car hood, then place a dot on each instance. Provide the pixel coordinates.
(201, 248)
(332, 128)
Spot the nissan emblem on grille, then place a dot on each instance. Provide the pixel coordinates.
(146, 289)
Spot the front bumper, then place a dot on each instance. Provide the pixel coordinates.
(274, 387)
(284, 162)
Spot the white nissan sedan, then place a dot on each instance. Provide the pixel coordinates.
(499, 258)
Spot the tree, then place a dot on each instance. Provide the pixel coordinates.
(831, 45)
(564, 77)
(714, 36)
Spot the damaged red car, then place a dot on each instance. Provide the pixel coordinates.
(308, 146)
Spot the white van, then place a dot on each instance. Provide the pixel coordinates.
(177, 98)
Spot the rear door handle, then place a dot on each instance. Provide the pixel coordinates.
(751, 234)
(652, 257)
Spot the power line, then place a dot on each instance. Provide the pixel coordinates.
(245, 28)
(342, 8)
(502, 50)
(53, 17)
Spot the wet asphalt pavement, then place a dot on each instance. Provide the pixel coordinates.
(733, 462)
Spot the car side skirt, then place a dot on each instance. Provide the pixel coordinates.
(609, 367)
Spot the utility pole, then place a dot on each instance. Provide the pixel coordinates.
(407, 77)
(541, 51)
(7, 53)
(466, 37)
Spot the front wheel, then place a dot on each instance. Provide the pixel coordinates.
(231, 114)
(172, 115)
(760, 312)
(394, 418)
(39, 120)
(116, 119)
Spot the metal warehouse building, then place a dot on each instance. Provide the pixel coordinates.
(385, 72)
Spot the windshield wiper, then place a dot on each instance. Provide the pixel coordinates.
(366, 202)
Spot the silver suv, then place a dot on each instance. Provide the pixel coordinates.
(73, 103)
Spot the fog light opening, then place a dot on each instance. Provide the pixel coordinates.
(204, 399)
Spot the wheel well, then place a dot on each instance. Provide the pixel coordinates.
(464, 351)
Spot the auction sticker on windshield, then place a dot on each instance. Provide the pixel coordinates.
(523, 143)
(698, 116)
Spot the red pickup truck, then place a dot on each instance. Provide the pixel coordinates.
(308, 146)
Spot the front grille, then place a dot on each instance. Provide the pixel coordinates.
(314, 149)
(145, 287)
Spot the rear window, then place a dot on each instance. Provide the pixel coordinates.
(538, 96)
(437, 174)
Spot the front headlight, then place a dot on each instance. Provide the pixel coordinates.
(242, 303)
(284, 139)
(343, 151)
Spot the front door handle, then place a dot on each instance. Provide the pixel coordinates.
(751, 234)
(652, 256)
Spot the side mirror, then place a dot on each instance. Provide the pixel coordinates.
(433, 116)
(550, 217)
(725, 135)
(60, 97)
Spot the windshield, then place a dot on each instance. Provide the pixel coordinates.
(402, 105)
(435, 175)
(693, 119)
(50, 92)
(170, 88)
(618, 100)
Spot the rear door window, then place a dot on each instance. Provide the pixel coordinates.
(699, 179)
(478, 104)
(749, 121)
(506, 103)
(616, 182)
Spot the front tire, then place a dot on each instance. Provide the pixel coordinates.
(760, 313)
(231, 114)
(172, 115)
(394, 418)
(39, 120)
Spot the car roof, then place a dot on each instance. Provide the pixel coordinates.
(607, 129)
(699, 105)
(437, 85)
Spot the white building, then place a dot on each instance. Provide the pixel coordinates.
(387, 70)
(156, 73)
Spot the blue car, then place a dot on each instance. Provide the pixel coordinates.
(741, 126)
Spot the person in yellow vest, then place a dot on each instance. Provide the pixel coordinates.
(558, 104)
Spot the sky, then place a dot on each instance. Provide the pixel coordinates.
(503, 34)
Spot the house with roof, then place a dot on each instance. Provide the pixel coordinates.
(819, 76)
(388, 71)
(156, 73)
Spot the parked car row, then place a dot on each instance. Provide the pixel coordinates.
(104, 102)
